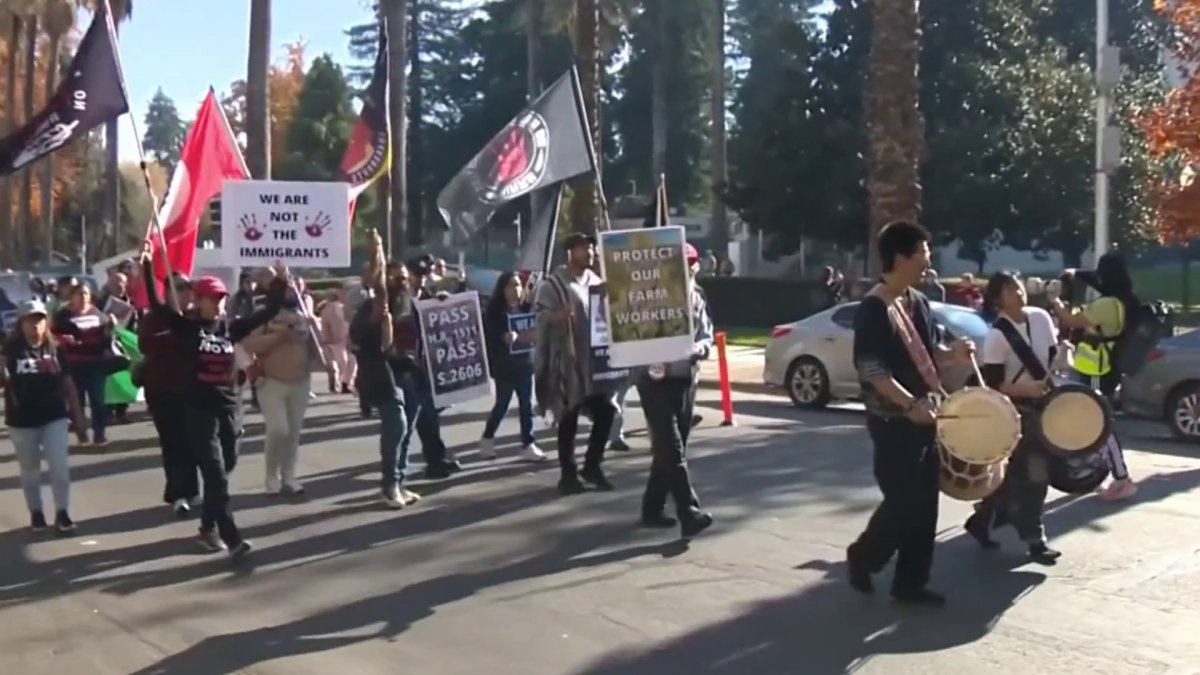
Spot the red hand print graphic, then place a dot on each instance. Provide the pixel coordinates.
(511, 160)
(319, 223)
(250, 227)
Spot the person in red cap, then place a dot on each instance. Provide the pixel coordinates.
(212, 414)
(668, 395)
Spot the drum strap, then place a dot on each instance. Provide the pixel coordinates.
(1029, 360)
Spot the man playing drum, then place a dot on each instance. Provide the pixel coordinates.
(896, 354)
(1019, 334)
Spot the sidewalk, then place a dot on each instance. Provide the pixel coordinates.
(745, 371)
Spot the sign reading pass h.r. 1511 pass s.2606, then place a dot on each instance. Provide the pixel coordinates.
(302, 224)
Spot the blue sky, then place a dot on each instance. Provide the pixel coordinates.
(184, 47)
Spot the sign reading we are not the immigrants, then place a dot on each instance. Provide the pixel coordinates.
(455, 351)
(302, 224)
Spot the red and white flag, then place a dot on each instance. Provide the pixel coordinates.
(210, 156)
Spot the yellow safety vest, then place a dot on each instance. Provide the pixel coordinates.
(1093, 354)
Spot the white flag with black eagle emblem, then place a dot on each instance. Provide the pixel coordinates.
(547, 143)
(91, 93)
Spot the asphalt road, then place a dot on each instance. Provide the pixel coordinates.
(494, 573)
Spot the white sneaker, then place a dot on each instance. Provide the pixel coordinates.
(532, 453)
(293, 487)
(487, 448)
(393, 498)
(274, 486)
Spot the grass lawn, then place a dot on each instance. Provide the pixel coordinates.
(746, 337)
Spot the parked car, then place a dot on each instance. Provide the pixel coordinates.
(1167, 388)
(813, 359)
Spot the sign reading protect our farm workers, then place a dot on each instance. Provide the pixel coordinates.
(302, 224)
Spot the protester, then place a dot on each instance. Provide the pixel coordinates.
(167, 396)
(283, 350)
(834, 286)
(38, 395)
(335, 334)
(212, 415)
(710, 264)
(423, 414)
(563, 364)
(931, 286)
(242, 302)
(513, 373)
(968, 293)
(372, 335)
(668, 395)
(85, 335)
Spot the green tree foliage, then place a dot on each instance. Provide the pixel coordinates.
(165, 130)
(321, 127)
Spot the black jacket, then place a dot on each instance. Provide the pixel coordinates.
(501, 361)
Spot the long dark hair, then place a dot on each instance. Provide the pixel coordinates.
(1113, 275)
(994, 291)
(498, 303)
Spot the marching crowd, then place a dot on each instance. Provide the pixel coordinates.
(201, 347)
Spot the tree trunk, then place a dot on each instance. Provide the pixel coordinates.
(658, 90)
(8, 255)
(48, 161)
(584, 203)
(533, 49)
(396, 12)
(416, 159)
(258, 95)
(894, 122)
(720, 222)
(25, 228)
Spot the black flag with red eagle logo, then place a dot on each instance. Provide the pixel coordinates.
(547, 143)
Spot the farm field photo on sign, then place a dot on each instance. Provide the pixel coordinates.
(647, 293)
(302, 224)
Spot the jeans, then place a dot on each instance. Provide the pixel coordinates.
(393, 448)
(179, 466)
(283, 405)
(522, 386)
(668, 405)
(618, 425)
(423, 418)
(905, 523)
(602, 419)
(89, 381)
(50, 442)
(214, 435)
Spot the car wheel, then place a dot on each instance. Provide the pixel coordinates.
(808, 383)
(1183, 411)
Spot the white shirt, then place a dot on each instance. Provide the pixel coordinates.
(1037, 331)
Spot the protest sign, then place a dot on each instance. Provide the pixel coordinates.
(303, 224)
(650, 318)
(455, 353)
(602, 369)
(119, 310)
(8, 320)
(524, 326)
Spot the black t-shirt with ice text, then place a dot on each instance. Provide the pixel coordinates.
(35, 395)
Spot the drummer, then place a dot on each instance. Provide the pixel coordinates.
(1019, 333)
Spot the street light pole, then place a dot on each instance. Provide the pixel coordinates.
(1100, 245)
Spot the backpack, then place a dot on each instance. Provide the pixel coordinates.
(1145, 325)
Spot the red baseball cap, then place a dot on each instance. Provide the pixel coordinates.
(209, 286)
(690, 253)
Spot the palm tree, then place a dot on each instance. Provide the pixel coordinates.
(22, 242)
(258, 119)
(12, 25)
(659, 72)
(534, 10)
(587, 53)
(894, 123)
(719, 228)
(57, 18)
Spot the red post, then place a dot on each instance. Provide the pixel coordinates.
(723, 368)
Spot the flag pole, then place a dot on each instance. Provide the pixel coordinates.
(591, 147)
(155, 225)
(387, 116)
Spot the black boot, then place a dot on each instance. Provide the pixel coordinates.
(977, 527)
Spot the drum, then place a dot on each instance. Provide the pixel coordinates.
(1079, 473)
(978, 426)
(1073, 418)
(966, 481)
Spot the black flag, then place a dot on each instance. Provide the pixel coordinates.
(91, 94)
(548, 142)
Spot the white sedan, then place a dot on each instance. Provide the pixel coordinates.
(813, 359)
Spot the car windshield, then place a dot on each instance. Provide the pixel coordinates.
(962, 321)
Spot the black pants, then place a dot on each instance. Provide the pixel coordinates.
(904, 525)
(602, 420)
(214, 436)
(668, 405)
(1021, 499)
(179, 466)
